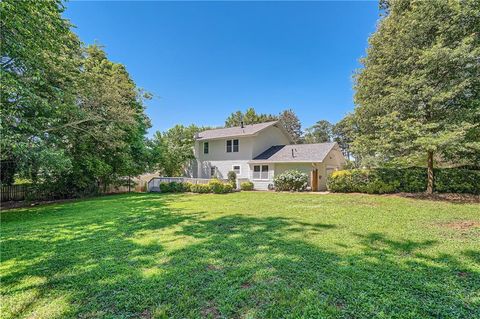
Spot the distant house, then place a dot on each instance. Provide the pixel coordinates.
(261, 151)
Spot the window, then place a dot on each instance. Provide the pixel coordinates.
(236, 169)
(205, 148)
(235, 145)
(260, 172)
(232, 146)
(213, 171)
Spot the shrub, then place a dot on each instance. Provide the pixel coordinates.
(457, 180)
(187, 186)
(227, 188)
(175, 187)
(246, 186)
(220, 188)
(232, 179)
(165, 187)
(347, 181)
(410, 180)
(291, 180)
(200, 188)
(379, 187)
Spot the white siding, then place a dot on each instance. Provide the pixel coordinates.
(222, 168)
(267, 138)
(262, 184)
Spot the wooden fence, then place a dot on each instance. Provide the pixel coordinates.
(14, 192)
(24, 192)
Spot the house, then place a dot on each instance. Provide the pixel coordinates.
(259, 152)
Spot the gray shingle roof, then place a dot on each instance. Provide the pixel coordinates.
(234, 131)
(296, 153)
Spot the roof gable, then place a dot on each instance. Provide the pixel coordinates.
(247, 130)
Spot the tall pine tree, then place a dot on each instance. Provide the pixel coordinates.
(418, 94)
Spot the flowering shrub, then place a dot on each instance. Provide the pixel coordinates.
(291, 180)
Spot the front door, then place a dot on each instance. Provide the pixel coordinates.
(314, 179)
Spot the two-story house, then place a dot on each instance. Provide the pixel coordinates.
(258, 152)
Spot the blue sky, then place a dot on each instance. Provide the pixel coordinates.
(204, 60)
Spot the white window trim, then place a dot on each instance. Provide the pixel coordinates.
(261, 179)
(239, 169)
(226, 141)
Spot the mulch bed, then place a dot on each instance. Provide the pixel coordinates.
(447, 197)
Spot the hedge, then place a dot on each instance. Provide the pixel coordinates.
(291, 180)
(409, 180)
(218, 187)
(214, 186)
(175, 187)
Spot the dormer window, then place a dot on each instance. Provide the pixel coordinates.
(232, 146)
(205, 147)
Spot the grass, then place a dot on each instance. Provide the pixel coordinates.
(242, 255)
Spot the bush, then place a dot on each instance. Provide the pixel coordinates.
(227, 188)
(379, 187)
(187, 186)
(201, 188)
(174, 187)
(457, 180)
(232, 179)
(165, 187)
(246, 186)
(220, 188)
(410, 180)
(291, 180)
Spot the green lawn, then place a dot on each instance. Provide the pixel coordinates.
(242, 255)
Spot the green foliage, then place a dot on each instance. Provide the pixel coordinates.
(219, 187)
(457, 180)
(419, 90)
(232, 179)
(292, 124)
(175, 187)
(320, 132)
(246, 186)
(200, 188)
(287, 118)
(71, 119)
(249, 117)
(172, 150)
(410, 180)
(291, 180)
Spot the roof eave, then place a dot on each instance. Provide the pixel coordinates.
(283, 161)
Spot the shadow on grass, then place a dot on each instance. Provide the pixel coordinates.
(142, 258)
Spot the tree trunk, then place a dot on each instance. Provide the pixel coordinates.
(430, 173)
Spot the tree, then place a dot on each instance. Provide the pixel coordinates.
(173, 149)
(70, 118)
(292, 124)
(418, 94)
(39, 64)
(320, 132)
(249, 117)
(343, 133)
(105, 131)
(288, 119)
